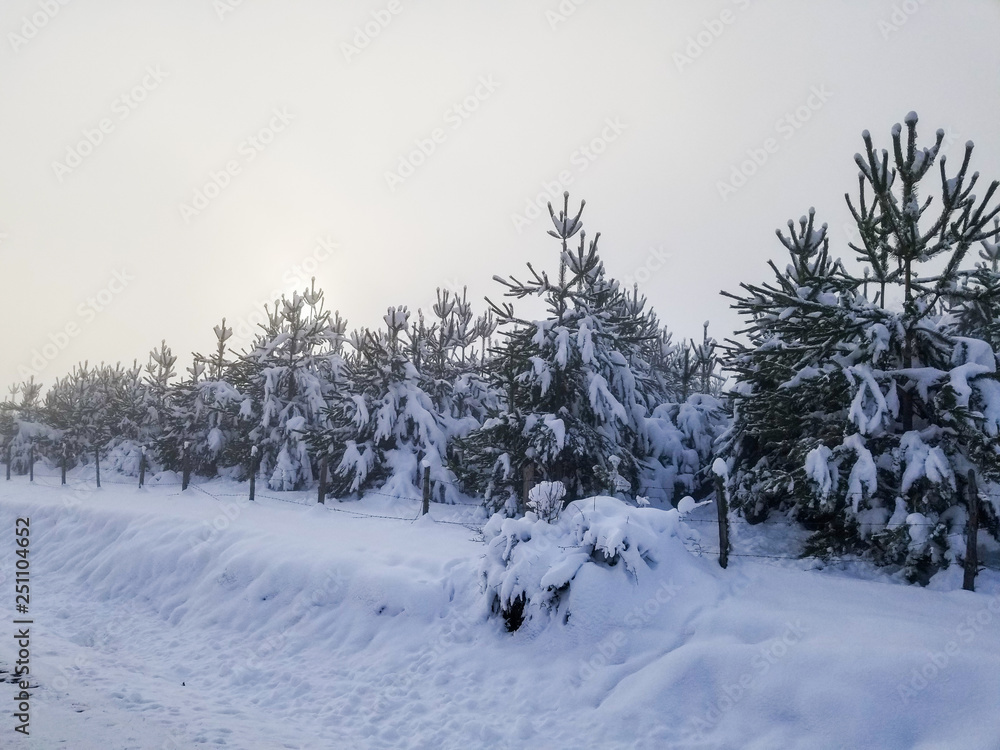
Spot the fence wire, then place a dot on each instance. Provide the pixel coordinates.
(80, 484)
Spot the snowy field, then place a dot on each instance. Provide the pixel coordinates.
(169, 620)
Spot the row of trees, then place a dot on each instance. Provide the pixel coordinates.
(596, 389)
(863, 394)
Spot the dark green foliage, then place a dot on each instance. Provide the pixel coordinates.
(577, 386)
(859, 417)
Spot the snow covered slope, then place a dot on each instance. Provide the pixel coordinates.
(166, 620)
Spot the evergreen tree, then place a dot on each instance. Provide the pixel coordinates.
(97, 412)
(577, 387)
(204, 414)
(287, 378)
(384, 425)
(862, 417)
(789, 384)
(975, 303)
(131, 423)
(22, 424)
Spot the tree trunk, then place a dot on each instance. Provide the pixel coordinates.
(906, 395)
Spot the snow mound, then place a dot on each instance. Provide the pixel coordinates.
(589, 563)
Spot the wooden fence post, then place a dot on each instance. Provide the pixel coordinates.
(8, 459)
(185, 465)
(426, 507)
(142, 468)
(972, 539)
(31, 461)
(62, 464)
(322, 480)
(253, 470)
(97, 464)
(529, 482)
(722, 505)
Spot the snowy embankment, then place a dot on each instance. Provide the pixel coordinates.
(169, 620)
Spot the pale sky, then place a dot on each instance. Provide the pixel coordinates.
(296, 121)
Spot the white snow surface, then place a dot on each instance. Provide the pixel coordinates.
(293, 625)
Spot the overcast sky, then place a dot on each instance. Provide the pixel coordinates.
(165, 164)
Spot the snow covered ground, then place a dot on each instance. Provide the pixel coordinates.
(170, 620)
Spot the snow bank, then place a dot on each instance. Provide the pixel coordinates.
(168, 619)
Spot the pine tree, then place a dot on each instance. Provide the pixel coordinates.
(975, 303)
(791, 394)
(862, 417)
(287, 378)
(204, 414)
(577, 387)
(384, 424)
(22, 424)
(96, 412)
(131, 421)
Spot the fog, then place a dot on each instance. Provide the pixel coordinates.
(165, 165)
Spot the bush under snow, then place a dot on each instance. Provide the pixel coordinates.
(600, 545)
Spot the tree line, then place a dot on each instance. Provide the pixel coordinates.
(861, 392)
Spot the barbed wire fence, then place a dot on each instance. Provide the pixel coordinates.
(87, 485)
(80, 484)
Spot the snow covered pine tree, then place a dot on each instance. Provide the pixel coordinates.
(861, 417)
(22, 425)
(204, 413)
(286, 379)
(384, 424)
(577, 386)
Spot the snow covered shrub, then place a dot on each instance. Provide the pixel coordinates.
(545, 500)
(854, 413)
(530, 564)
